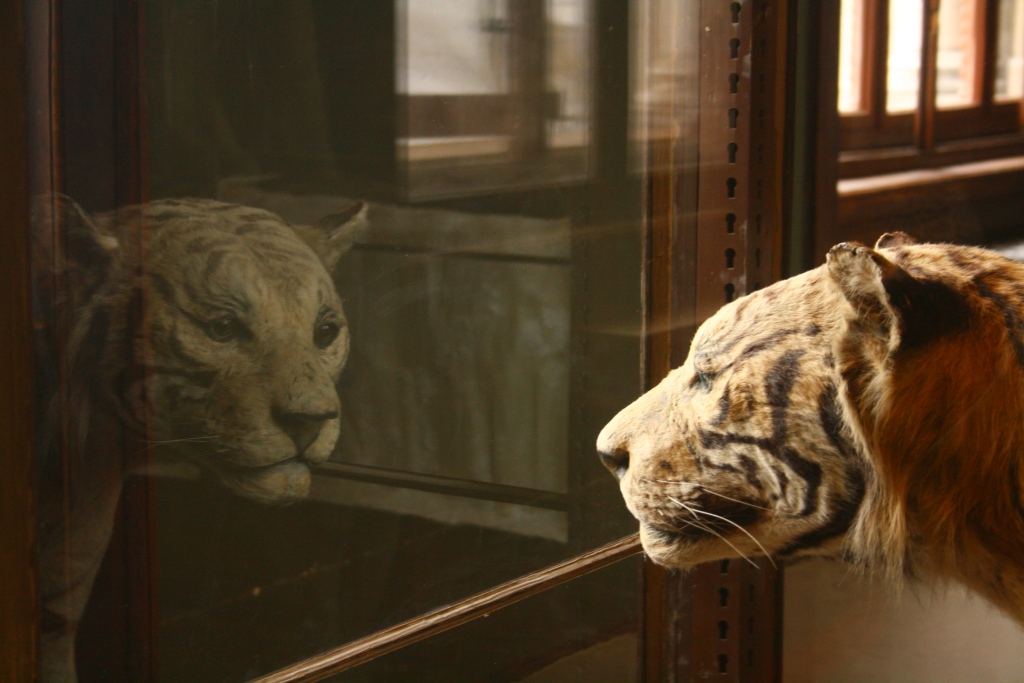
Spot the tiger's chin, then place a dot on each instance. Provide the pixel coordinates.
(683, 549)
(280, 483)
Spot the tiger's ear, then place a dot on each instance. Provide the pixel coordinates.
(72, 242)
(894, 239)
(888, 303)
(333, 235)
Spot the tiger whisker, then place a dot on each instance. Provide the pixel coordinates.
(706, 489)
(720, 537)
(714, 533)
(735, 500)
(189, 438)
(728, 521)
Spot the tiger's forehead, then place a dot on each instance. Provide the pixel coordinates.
(210, 250)
(172, 220)
(211, 231)
(793, 310)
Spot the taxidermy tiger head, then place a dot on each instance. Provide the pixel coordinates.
(872, 408)
(214, 329)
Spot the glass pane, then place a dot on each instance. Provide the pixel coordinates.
(568, 68)
(1010, 50)
(904, 64)
(851, 56)
(957, 51)
(330, 314)
(496, 93)
(661, 77)
(563, 635)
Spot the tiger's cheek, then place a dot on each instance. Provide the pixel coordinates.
(742, 406)
(336, 356)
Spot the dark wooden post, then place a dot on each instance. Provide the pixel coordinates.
(18, 599)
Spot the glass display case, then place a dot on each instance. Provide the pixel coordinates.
(322, 307)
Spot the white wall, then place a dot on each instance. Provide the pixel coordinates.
(842, 628)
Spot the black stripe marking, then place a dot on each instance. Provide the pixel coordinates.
(778, 386)
(224, 208)
(783, 480)
(765, 344)
(164, 289)
(201, 378)
(1015, 490)
(857, 374)
(750, 471)
(841, 517)
(205, 243)
(738, 512)
(213, 262)
(1011, 319)
(164, 215)
(928, 309)
(831, 417)
(724, 403)
(751, 350)
(252, 228)
(177, 350)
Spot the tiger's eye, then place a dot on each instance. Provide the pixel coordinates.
(224, 329)
(325, 333)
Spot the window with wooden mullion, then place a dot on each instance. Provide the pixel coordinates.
(887, 100)
(980, 114)
(866, 121)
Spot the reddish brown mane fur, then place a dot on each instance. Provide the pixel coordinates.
(944, 426)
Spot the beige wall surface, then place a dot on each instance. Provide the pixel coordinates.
(843, 628)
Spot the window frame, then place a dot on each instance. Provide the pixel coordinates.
(874, 140)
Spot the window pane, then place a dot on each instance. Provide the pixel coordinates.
(904, 65)
(1010, 50)
(661, 77)
(957, 50)
(329, 320)
(496, 93)
(851, 56)
(568, 68)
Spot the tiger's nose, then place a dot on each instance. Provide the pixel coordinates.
(302, 428)
(616, 460)
(613, 450)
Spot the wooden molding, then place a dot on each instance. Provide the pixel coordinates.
(464, 488)
(967, 203)
(18, 592)
(401, 635)
(858, 164)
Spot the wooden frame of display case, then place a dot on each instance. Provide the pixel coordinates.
(706, 242)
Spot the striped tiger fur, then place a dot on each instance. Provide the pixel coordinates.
(210, 330)
(870, 409)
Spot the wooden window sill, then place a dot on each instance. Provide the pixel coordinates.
(971, 203)
(927, 177)
(875, 162)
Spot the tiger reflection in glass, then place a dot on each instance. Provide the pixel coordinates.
(210, 330)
